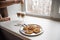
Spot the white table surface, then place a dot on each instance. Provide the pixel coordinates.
(51, 28)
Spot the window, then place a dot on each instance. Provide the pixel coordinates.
(38, 7)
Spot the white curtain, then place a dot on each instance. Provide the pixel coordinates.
(40, 7)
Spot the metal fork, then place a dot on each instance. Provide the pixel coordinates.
(23, 25)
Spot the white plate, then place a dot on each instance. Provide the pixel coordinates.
(33, 34)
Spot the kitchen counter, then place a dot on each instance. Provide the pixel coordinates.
(51, 28)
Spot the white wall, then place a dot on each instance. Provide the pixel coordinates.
(13, 9)
(55, 9)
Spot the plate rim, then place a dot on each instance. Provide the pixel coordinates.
(29, 34)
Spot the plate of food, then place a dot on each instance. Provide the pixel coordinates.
(31, 30)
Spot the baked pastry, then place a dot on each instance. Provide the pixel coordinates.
(34, 26)
(31, 28)
(25, 28)
(28, 31)
(36, 30)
